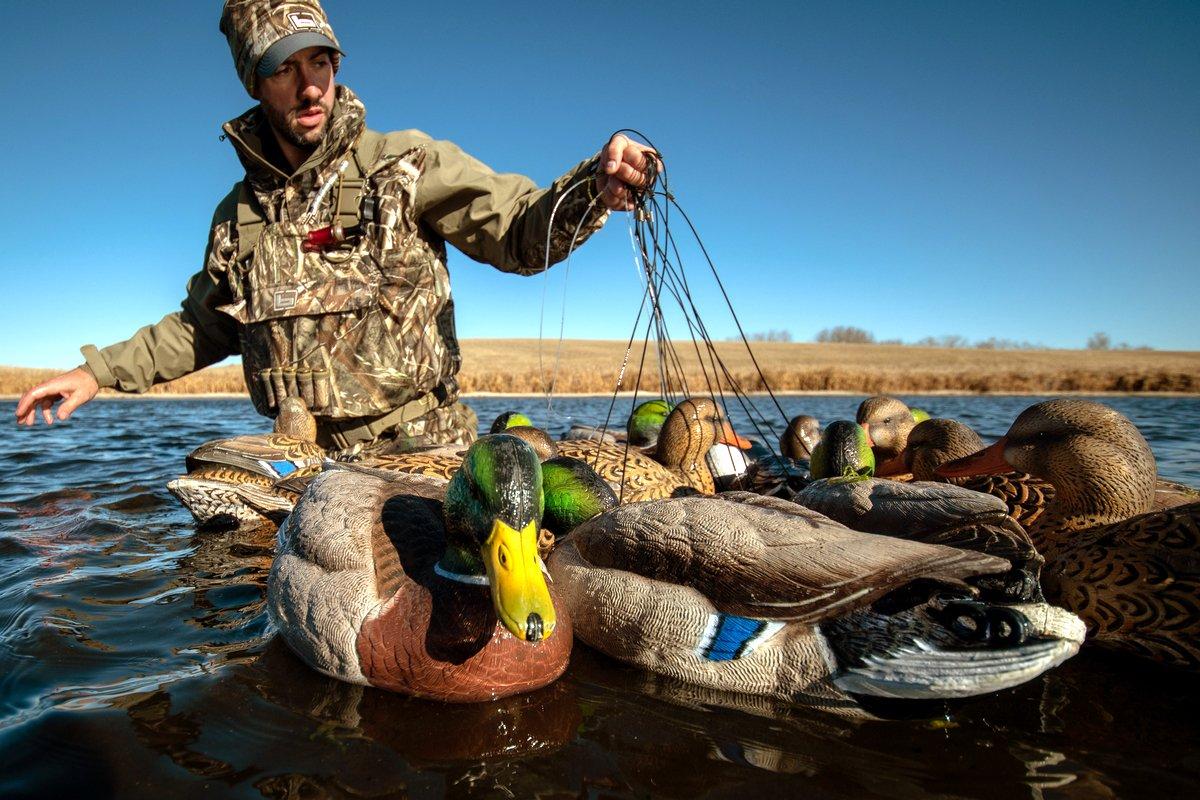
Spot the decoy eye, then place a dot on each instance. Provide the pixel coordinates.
(503, 557)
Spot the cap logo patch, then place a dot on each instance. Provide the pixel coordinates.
(303, 20)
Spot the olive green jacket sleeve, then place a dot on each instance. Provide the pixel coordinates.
(502, 219)
(183, 341)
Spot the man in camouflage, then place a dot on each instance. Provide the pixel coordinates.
(326, 265)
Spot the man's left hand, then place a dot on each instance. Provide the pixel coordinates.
(625, 165)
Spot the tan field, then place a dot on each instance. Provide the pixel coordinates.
(511, 366)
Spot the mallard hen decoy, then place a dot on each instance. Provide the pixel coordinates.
(801, 436)
(759, 595)
(232, 481)
(889, 421)
(1132, 573)
(691, 429)
(423, 586)
(937, 441)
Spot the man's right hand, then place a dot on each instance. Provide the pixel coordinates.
(74, 388)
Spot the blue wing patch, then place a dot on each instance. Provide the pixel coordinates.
(728, 637)
(283, 468)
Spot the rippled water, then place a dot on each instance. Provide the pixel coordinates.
(136, 661)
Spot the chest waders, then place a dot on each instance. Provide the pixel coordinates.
(311, 307)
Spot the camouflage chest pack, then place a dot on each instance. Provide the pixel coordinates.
(347, 305)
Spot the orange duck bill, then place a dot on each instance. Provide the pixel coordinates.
(988, 461)
(727, 436)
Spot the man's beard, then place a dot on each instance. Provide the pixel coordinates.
(285, 124)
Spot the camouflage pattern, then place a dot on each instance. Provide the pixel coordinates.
(451, 424)
(253, 26)
(364, 329)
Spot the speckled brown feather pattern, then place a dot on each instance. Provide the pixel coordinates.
(1135, 583)
(632, 475)
(690, 430)
(436, 462)
(1130, 572)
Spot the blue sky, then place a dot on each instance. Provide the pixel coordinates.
(1029, 171)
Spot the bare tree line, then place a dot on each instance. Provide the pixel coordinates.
(850, 334)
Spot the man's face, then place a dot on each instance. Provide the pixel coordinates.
(298, 98)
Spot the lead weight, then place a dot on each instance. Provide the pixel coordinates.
(304, 380)
(321, 389)
(289, 382)
(277, 382)
(264, 378)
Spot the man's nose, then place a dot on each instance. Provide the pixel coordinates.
(310, 84)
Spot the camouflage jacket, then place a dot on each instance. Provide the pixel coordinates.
(372, 317)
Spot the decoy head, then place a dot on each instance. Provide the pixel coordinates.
(935, 442)
(538, 439)
(1085, 449)
(801, 436)
(295, 420)
(509, 419)
(493, 510)
(574, 494)
(646, 421)
(690, 431)
(843, 452)
(889, 421)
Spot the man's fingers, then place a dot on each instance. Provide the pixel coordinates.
(46, 404)
(25, 404)
(72, 402)
(633, 175)
(614, 153)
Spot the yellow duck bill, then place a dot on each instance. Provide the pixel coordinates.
(519, 590)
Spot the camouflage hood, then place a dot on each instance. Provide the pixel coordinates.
(248, 132)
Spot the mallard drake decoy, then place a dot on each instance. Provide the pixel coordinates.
(232, 481)
(937, 441)
(844, 451)
(510, 419)
(759, 595)
(691, 429)
(641, 430)
(423, 586)
(441, 461)
(1129, 571)
(889, 421)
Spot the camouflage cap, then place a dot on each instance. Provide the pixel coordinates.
(262, 34)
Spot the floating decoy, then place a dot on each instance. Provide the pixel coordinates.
(1130, 571)
(759, 595)
(233, 481)
(423, 586)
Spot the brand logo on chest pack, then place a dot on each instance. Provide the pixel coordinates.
(303, 20)
(284, 299)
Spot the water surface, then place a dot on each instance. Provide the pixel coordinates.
(136, 661)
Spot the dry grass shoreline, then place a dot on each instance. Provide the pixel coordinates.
(511, 366)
